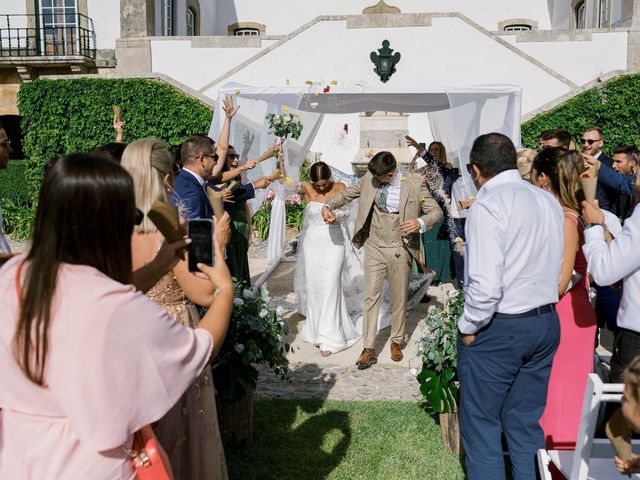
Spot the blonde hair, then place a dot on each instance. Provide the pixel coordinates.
(147, 161)
(525, 158)
(563, 167)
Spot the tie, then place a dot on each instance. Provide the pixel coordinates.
(381, 200)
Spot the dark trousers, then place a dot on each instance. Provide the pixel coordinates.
(626, 347)
(458, 260)
(504, 375)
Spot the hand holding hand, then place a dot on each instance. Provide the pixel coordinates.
(223, 229)
(328, 215)
(591, 212)
(410, 226)
(262, 182)
(229, 109)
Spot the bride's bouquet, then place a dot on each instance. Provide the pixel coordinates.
(285, 125)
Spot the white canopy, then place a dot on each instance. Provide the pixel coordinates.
(457, 116)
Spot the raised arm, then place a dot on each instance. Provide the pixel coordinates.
(223, 141)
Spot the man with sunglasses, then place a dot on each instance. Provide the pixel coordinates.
(5, 152)
(592, 143)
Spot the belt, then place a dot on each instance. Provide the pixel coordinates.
(530, 313)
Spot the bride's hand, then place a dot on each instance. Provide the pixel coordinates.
(328, 215)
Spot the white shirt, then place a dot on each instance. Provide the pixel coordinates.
(513, 252)
(457, 195)
(393, 199)
(620, 260)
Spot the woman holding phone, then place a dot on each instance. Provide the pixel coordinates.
(86, 359)
(189, 432)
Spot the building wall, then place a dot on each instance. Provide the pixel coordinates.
(284, 16)
(106, 21)
(13, 7)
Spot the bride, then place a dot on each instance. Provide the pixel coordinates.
(321, 256)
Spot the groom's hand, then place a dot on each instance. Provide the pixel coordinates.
(410, 226)
(328, 215)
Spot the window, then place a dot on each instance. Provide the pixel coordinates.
(603, 19)
(246, 31)
(191, 22)
(517, 27)
(580, 15)
(167, 18)
(616, 13)
(60, 24)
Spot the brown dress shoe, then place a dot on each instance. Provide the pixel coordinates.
(367, 358)
(396, 353)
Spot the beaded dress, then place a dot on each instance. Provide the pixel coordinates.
(189, 431)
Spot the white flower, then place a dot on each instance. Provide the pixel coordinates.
(238, 347)
(277, 120)
(413, 372)
(246, 293)
(286, 118)
(279, 311)
(238, 302)
(263, 313)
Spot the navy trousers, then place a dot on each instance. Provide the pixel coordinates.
(504, 375)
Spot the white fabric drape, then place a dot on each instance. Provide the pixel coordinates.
(472, 112)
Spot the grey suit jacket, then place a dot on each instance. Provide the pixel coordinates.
(415, 202)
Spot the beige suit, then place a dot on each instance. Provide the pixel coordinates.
(388, 252)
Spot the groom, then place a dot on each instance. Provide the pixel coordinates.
(392, 212)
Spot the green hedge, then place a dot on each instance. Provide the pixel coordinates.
(66, 116)
(613, 106)
(13, 185)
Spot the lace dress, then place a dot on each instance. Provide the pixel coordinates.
(322, 251)
(189, 431)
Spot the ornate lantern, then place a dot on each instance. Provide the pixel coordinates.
(385, 61)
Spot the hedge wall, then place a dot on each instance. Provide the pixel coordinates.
(65, 116)
(614, 106)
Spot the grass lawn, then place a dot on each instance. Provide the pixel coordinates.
(315, 439)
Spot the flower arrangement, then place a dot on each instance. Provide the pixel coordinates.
(438, 352)
(256, 336)
(285, 125)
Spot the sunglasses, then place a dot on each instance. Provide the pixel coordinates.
(214, 156)
(469, 169)
(139, 217)
(7, 142)
(589, 141)
(233, 156)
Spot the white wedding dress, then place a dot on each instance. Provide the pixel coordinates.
(329, 282)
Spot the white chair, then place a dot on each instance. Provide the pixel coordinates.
(593, 458)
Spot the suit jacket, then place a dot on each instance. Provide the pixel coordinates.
(188, 193)
(606, 196)
(415, 202)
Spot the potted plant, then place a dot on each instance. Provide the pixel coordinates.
(256, 336)
(438, 378)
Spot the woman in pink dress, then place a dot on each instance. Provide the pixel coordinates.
(558, 171)
(87, 360)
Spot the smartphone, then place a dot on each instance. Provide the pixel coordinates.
(200, 231)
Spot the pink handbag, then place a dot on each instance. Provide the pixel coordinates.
(149, 459)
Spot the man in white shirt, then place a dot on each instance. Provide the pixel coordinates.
(509, 330)
(5, 152)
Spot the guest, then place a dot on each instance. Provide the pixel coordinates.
(118, 126)
(105, 360)
(509, 330)
(592, 143)
(322, 251)
(610, 264)
(238, 250)
(525, 158)
(189, 431)
(439, 178)
(174, 150)
(558, 171)
(558, 137)
(5, 153)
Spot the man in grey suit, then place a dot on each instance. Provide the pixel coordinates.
(393, 210)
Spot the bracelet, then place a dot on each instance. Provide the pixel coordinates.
(223, 287)
(153, 271)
